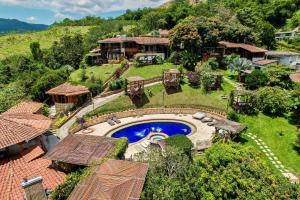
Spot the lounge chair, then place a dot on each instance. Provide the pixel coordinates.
(145, 143)
(110, 122)
(206, 119)
(115, 119)
(199, 115)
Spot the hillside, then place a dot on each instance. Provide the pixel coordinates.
(19, 43)
(13, 25)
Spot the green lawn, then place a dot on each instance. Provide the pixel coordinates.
(100, 72)
(12, 44)
(149, 71)
(269, 129)
(187, 96)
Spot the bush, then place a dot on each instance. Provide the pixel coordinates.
(120, 148)
(157, 60)
(137, 63)
(95, 88)
(255, 80)
(297, 143)
(232, 115)
(194, 78)
(181, 142)
(174, 58)
(273, 100)
(189, 60)
(63, 191)
(279, 76)
(116, 84)
(124, 63)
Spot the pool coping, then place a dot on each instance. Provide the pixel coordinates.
(112, 131)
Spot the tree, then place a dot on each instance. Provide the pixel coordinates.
(36, 51)
(224, 171)
(273, 100)
(256, 79)
(184, 36)
(182, 142)
(278, 75)
(10, 95)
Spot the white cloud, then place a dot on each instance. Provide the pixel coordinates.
(31, 19)
(61, 16)
(84, 7)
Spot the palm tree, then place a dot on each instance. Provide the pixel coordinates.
(237, 64)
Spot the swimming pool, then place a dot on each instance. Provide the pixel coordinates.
(136, 132)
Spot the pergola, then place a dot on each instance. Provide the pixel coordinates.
(171, 78)
(241, 100)
(135, 86)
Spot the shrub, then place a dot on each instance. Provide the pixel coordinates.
(279, 76)
(124, 63)
(83, 76)
(120, 148)
(273, 100)
(181, 142)
(297, 143)
(194, 78)
(63, 191)
(95, 88)
(137, 63)
(189, 60)
(174, 58)
(256, 79)
(232, 115)
(157, 60)
(116, 84)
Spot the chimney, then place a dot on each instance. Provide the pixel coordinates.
(34, 189)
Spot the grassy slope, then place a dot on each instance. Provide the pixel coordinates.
(188, 95)
(100, 72)
(19, 43)
(268, 130)
(149, 71)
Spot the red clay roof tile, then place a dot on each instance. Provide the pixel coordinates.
(138, 40)
(68, 89)
(247, 47)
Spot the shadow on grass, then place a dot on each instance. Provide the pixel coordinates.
(139, 102)
(173, 90)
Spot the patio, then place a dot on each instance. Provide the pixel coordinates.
(201, 131)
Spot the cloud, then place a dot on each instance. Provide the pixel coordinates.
(84, 7)
(31, 19)
(61, 16)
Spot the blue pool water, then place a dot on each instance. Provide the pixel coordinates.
(137, 132)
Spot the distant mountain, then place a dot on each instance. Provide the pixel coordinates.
(13, 25)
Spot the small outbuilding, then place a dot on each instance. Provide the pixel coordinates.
(135, 86)
(172, 78)
(81, 149)
(228, 129)
(242, 100)
(66, 96)
(114, 179)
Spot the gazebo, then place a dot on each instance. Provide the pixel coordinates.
(135, 86)
(171, 78)
(228, 129)
(242, 100)
(66, 96)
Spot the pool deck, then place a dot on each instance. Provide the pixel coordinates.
(201, 130)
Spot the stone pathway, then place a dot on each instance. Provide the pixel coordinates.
(273, 159)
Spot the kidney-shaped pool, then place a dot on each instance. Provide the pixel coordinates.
(136, 132)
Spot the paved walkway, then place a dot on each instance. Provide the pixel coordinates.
(62, 132)
(273, 159)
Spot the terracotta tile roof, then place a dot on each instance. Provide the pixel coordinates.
(265, 62)
(26, 165)
(113, 180)
(138, 40)
(68, 90)
(25, 107)
(295, 77)
(247, 47)
(12, 133)
(81, 149)
(281, 53)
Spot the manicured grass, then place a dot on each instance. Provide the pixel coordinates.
(187, 96)
(12, 44)
(149, 71)
(100, 72)
(279, 135)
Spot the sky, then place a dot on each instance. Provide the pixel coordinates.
(49, 11)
